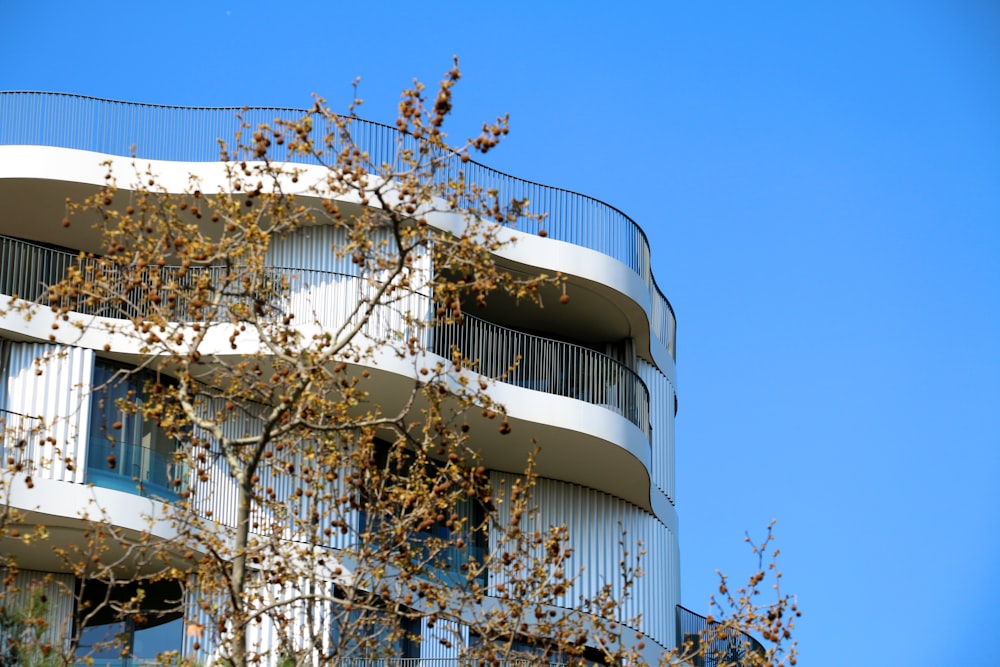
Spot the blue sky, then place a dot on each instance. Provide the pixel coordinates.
(820, 183)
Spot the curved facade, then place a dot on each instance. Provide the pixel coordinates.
(595, 387)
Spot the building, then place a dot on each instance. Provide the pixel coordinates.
(596, 385)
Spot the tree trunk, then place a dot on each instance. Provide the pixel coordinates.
(237, 582)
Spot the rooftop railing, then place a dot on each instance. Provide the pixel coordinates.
(717, 646)
(191, 134)
(327, 299)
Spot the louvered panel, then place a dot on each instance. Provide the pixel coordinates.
(302, 517)
(596, 522)
(4, 370)
(200, 636)
(326, 290)
(286, 512)
(310, 620)
(28, 588)
(442, 642)
(661, 392)
(263, 637)
(311, 248)
(52, 404)
(215, 494)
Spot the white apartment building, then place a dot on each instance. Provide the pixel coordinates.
(595, 388)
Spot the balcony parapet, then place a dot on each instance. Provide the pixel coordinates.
(514, 357)
(190, 134)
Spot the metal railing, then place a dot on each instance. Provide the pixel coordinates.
(357, 662)
(26, 268)
(17, 433)
(442, 662)
(548, 365)
(191, 134)
(716, 645)
(328, 299)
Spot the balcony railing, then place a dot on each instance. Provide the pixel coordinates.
(18, 439)
(326, 298)
(717, 645)
(548, 365)
(191, 133)
(439, 662)
(350, 662)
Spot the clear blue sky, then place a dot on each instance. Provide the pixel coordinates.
(820, 182)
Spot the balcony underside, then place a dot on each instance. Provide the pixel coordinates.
(609, 301)
(587, 444)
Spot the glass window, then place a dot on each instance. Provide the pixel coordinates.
(127, 452)
(117, 631)
(373, 633)
(448, 560)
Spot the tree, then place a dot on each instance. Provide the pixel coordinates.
(316, 507)
(725, 637)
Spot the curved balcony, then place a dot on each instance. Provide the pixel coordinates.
(551, 366)
(190, 134)
(514, 357)
(721, 646)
